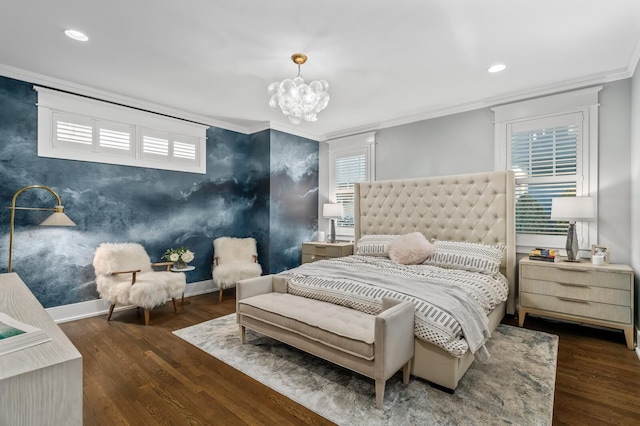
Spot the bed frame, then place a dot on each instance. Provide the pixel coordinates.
(476, 207)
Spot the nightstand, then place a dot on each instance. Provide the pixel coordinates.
(581, 292)
(317, 251)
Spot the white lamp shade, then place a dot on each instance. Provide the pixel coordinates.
(332, 210)
(573, 209)
(58, 219)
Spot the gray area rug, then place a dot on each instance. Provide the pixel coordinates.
(515, 386)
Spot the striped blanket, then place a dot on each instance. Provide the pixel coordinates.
(360, 282)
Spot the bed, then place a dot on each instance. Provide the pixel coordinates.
(478, 208)
(473, 208)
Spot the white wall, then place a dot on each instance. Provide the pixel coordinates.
(614, 185)
(454, 144)
(464, 143)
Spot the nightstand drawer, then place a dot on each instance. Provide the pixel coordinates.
(577, 291)
(318, 251)
(568, 306)
(576, 276)
(306, 257)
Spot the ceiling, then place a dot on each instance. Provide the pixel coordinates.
(386, 62)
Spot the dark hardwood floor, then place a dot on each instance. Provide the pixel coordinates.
(139, 375)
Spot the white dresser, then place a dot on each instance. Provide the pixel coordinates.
(581, 292)
(42, 384)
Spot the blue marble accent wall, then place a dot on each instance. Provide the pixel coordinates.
(294, 198)
(157, 208)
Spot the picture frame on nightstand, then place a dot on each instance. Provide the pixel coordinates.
(599, 250)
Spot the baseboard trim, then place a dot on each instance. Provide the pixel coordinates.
(92, 308)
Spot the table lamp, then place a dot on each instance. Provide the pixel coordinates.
(572, 209)
(333, 212)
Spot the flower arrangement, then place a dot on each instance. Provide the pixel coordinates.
(181, 256)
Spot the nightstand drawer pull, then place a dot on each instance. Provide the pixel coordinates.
(574, 285)
(571, 269)
(568, 299)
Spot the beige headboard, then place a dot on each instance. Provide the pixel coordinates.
(477, 207)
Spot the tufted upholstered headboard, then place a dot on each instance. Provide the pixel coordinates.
(477, 207)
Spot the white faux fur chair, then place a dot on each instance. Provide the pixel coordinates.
(234, 259)
(125, 275)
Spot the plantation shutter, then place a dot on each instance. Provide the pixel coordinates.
(545, 156)
(115, 138)
(349, 169)
(75, 132)
(185, 150)
(155, 145)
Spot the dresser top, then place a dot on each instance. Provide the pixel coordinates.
(582, 265)
(17, 301)
(322, 243)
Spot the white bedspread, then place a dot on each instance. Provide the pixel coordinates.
(360, 282)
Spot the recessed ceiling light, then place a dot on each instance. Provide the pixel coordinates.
(497, 68)
(76, 35)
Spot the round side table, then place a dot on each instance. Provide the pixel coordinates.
(187, 269)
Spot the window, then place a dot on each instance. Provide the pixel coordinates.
(78, 128)
(351, 160)
(551, 145)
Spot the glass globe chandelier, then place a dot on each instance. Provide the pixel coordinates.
(297, 100)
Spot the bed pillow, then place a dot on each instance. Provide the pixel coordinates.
(473, 257)
(410, 249)
(374, 245)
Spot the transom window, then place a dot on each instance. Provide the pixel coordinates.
(78, 128)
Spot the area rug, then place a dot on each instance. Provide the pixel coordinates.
(515, 386)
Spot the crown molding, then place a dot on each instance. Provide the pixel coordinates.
(296, 131)
(79, 89)
(635, 57)
(63, 85)
(595, 79)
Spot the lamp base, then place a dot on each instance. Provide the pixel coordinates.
(572, 243)
(332, 237)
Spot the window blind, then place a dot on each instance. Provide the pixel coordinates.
(348, 171)
(545, 162)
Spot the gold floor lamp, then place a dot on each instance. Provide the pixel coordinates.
(58, 218)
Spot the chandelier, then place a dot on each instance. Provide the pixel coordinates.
(297, 100)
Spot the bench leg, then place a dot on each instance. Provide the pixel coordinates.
(406, 372)
(242, 334)
(379, 392)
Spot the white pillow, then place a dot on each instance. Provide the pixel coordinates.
(473, 257)
(410, 249)
(374, 245)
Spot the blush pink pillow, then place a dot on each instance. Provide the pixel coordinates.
(410, 249)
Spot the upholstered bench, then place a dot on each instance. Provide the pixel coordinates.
(376, 346)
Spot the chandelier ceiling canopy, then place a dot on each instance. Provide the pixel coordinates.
(297, 100)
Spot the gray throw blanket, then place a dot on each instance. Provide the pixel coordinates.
(453, 300)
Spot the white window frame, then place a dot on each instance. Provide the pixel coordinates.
(584, 102)
(53, 104)
(364, 143)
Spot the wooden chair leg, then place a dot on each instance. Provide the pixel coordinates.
(220, 296)
(175, 305)
(110, 311)
(146, 316)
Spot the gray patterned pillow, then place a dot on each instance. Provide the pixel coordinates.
(374, 245)
(472, 257)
